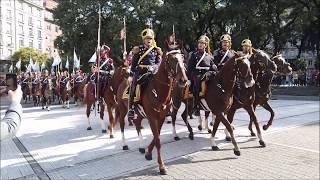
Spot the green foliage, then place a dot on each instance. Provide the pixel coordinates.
(264, 22)
(25, 53)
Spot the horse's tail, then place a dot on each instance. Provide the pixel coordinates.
(84, 102)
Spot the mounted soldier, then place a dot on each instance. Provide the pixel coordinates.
(246, 47)
(106, 70)
(145, 61)
(224, 53)
(44, 81)
(34, 81)
(200, 67)
(63, 81)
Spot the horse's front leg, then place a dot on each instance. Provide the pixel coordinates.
(88, 111)
(103, 124)
(253, 118)
(268, 108)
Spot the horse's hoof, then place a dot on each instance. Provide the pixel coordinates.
(141, 127)
(48, 109)
(148, 156)
(237, 153)
(89, 128)
(104, 131)
(191, 136)
(111, 136)
(200, 128)
(42, 107)
(163, 171)
(125, 147)
(130, 123)
(142, 150)
(211, 124)
(228, 138)
(209, 131)
(191, 117)
(262, 143)
(265, 127)
(176, 138)
(168, 122)
(215, 148)
(253, 134)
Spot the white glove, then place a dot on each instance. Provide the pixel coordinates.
(130, 79)
(112, 72)
(151, 68)
(188, 82)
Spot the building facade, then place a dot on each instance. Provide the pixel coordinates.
(21, 25)
(51, 31)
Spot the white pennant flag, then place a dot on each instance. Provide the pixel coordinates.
(56, 59)
(67, 63)
(36, 66)
(18, 65)
(76, 61)
(93, 58)
(11, 69)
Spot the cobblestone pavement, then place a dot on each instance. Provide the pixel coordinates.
(56, 145)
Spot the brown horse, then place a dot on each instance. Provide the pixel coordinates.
(66, 94)
(79, 91)
(47, 95)
(26, 89)
(109, 99)
(263, 88)
(36, 95)
(219, 96)
(259, 63)
(154, 102)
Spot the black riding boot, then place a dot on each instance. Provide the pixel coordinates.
(130, 105)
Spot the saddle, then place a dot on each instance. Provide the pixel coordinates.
(188, 91)
(141, 84)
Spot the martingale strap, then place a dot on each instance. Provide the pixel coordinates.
(146, 53)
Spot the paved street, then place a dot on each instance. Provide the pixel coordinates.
(56, 145)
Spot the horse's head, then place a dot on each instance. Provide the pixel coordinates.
(175, 66)
(50, 84)
(263, 60)
(283, 66)
(243, 70)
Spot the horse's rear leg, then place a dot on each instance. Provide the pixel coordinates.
(207, 113)
(89, 104)
(103, 124)
(138, 128)
(121, 119)
(111, 119)
(230, 117)
(200, 121)
(185, 120)
(174, 118)
(268, 108)
(226, 123)
(253, 118)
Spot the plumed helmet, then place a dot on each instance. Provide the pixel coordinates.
(246, 42)
(225, 37)
(147, 33)
(204, 39)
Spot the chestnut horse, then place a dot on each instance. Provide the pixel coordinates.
(66, 95)
(36, 96)
(79, 91)
(263, 88)
(47, 95)
(259, 63)
(109, 98)
(26, 89)
(155, 102)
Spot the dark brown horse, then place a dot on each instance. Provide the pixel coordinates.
(109, 99)
(263, 88)
(78, 91)
(259, 63)
(47, 95)
(36, 95)
(26, 89)
(155, 102)
(66, 95)
(219, 94)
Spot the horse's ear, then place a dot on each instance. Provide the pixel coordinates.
(254, 50)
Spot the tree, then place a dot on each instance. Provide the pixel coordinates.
(25, 53)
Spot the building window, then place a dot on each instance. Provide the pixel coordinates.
(20, 18)
(39, 34)
(10, 41)
(21, 43)
(39, 45)
(30, 32)
(10, 52)
(57, 28)
(30, 9)
(31, 43)
(1, 52)
(49, 27)
(39, 24)
(9, 15)
(21, 29)
(39, 12)
(9, 30)
(20, 5)
(30, 21)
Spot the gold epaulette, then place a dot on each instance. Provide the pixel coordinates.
(135, 50)
(159, 50)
